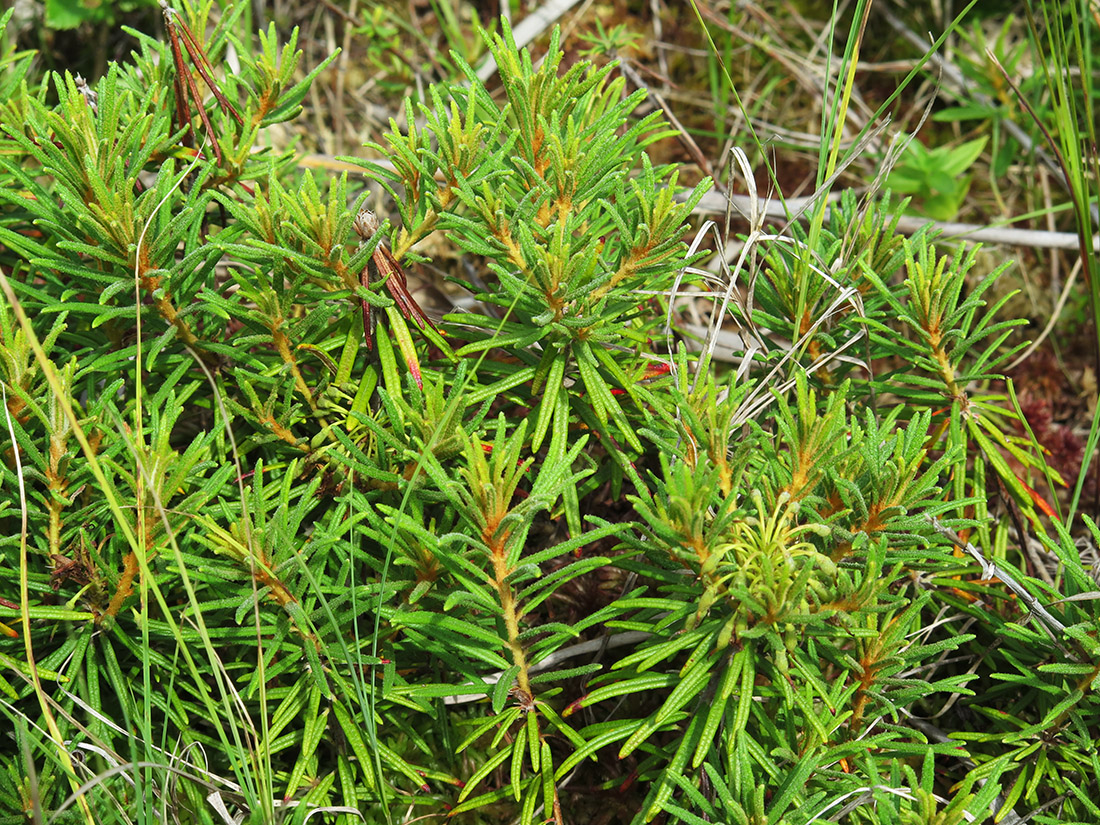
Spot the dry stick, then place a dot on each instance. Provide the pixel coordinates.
(348, 16)
(476, 691)
(658, 37)
(712, 203)
(991, 570)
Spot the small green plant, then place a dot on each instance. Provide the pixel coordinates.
(936, 178)
(609, 42)
(70, 14)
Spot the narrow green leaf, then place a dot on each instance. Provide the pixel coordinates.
(353, 733)
(519, 750)
(640, 684)
(717, 710)
(689, 685)
(390, 376)
(487, 767)
(548, 406)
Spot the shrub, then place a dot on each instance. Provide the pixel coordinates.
(274, 529)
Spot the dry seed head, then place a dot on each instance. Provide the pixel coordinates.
(366, 224)
(88, 93)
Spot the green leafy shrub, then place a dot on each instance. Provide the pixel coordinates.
(268, 531)
(69, 14)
